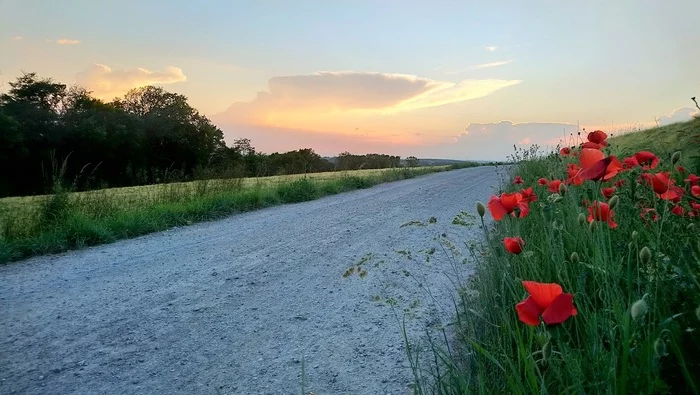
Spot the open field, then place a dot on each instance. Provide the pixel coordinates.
(244, 305)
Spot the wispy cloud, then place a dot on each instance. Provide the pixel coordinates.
(106, 83)
(67, 41)
(491, 48)
(479, 67)
(17, 38)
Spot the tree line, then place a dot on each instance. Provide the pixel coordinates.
(51, 133)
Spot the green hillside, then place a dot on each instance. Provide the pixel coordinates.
(663, 141)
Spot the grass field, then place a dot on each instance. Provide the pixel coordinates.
(54, 223)
(584, 286)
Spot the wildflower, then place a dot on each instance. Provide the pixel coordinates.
(591, 145)
(518, 180)
(507, 203)
(681, 169)
(692, 179)
(638, 309)
(647, 160)
(678, 210)
(528, 195)
(480, 209)
(566, 151)
(572, 170)
(629, 163)
(645, 211)
(695, 190)
(598, 137)
(645, 255)
(608, 192)
(554, 186)
(542, 181)
(619, 183)
(603, 169)
(601, 212)
(547, 301)
(663, 185)
(514, 245)
(589, 157)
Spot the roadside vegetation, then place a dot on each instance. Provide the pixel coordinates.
(589, 280)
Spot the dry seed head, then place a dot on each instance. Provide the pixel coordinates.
(638, 309)
(660, 348)
(676, 157)
(582, 219)
(562, 189)
(613, 202)
(480, 209)
(574, 257)
(645, 255)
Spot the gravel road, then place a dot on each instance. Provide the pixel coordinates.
(238, 305)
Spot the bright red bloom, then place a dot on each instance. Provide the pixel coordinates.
(646, 159)
(528, 195)
(662, 184)
(695, 207)
(542, 181)
(629, 163)
(619, 183)
(518, 180)
(680, 169)
(598, 137)
(554, 186)
(678, 210)
(591, 145)
(608, 192)
(590, 157)
(514, 245)
(546, 300)
(695, 190)
(601, 212)
(566, 151)
(692, 179)
(604, 169)
(507, 203)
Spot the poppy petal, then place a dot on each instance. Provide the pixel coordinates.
(543, 293)
(590, 156)
(528, 311)
(496, 208)
(559, 310)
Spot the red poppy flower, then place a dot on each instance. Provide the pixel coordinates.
(566, 151)
(591, 145)
(646, 159)
(528, 195)
(546, 300)
(572, 170)
(554, 186)
(645, 212)
(680, 169)
(518, 180)
(693, 179)
(598, 137)
(695, 206)
(695, 190)
(604, 169)
(662, 184)
(608, 192)
(542, 181)
(629, 163)
(678, 210)
(507, 203)
(619, 183)
(514, 245)
(601, 212)
(590, 157)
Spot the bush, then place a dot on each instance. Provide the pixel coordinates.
(300, 190)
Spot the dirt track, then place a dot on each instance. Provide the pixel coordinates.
(234, 306)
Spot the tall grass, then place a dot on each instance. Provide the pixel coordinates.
(65, 221)
(609, 346)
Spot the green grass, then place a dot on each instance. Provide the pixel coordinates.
(64, 221)
(604, 348)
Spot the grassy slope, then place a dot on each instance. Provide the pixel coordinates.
(664, 141)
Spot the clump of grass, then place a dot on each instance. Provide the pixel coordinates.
(636, 289)
(297, 191)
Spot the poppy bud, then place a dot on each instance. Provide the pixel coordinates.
(558, 199)
(697, 313)
(582, 219)
(562, 189)
(645, 255)
(638, 309)
(676, 157)
(592, 226)
(574, 257)
(635, 234)
(612, 203)
(480, 209)
(660, 348)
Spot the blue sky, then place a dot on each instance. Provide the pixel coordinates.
(459, 79)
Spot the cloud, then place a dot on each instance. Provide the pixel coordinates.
(106, 83)
(67, 41)
(480, 66)
(491, 49)
(289, 101)
(678, 115)
(17, 38)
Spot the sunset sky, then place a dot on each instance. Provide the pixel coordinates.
(449, 79)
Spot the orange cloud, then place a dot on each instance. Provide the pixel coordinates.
(106, 83)
(67, 41)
